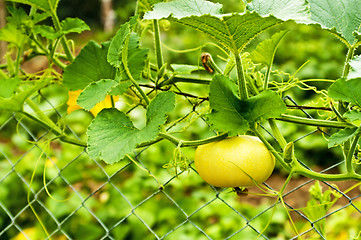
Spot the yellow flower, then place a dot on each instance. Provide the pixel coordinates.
(72, 104)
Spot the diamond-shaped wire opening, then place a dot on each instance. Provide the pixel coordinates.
(214, 219)
(160, 213)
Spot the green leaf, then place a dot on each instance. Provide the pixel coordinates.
(136, 58)
(352, 115)
(46, 31)
(226, 115)
(112, 134)
(341, 15)
(341, 136)
(120, 88)
(89, 66)
(146, 5)
(355, 64)
(10, 33)
(282, 9)
(267, 104)
(13, 31)
(8, 86)
(265, 51)
(73, 25)
(232, 31)
(346, 90)
(184, 8)
(116, 45)
(95, 92)
(234, 116)
(45, 5)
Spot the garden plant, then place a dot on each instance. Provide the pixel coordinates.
(240, 99)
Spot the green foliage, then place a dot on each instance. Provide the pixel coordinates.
(112, 135)
(318, 205)
(265, 51)
(241, 114)
(339, 16)
(355, 64)
(296, 10)
(45, 5)
(346, 90)
(223, 28)
(89, 66)
(95, 92)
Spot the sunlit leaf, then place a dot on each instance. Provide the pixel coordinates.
(341, 15)
(95, 93)
(232, 31)
(346, 90)
(282, 9)
(265, 51)
(355, 64)
(341, 136)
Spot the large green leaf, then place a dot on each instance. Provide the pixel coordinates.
(184, 8)
(232, 115)
(265, 51)
(89, 66)
(226, 113)
(283, 9)
(346, 90)
(340, 15)
(355, 64)
(232, 31)
(45, 5)
(112, 134)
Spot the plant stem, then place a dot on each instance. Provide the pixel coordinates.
(276, 132)
(195, 143)
(314, 122)
(43, 117)
(242, 86)
(186, 79)
(272, 150)
(351, 151)
(125, 64)
(298, 168)
(62, 137)
(17, 61)
(267, 76)
(349, 56)
(158, 48)
(63, 40)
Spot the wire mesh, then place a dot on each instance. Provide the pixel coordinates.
(44, 190)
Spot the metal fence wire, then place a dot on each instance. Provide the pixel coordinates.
(57, 192)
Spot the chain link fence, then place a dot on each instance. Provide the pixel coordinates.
(51, 190)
